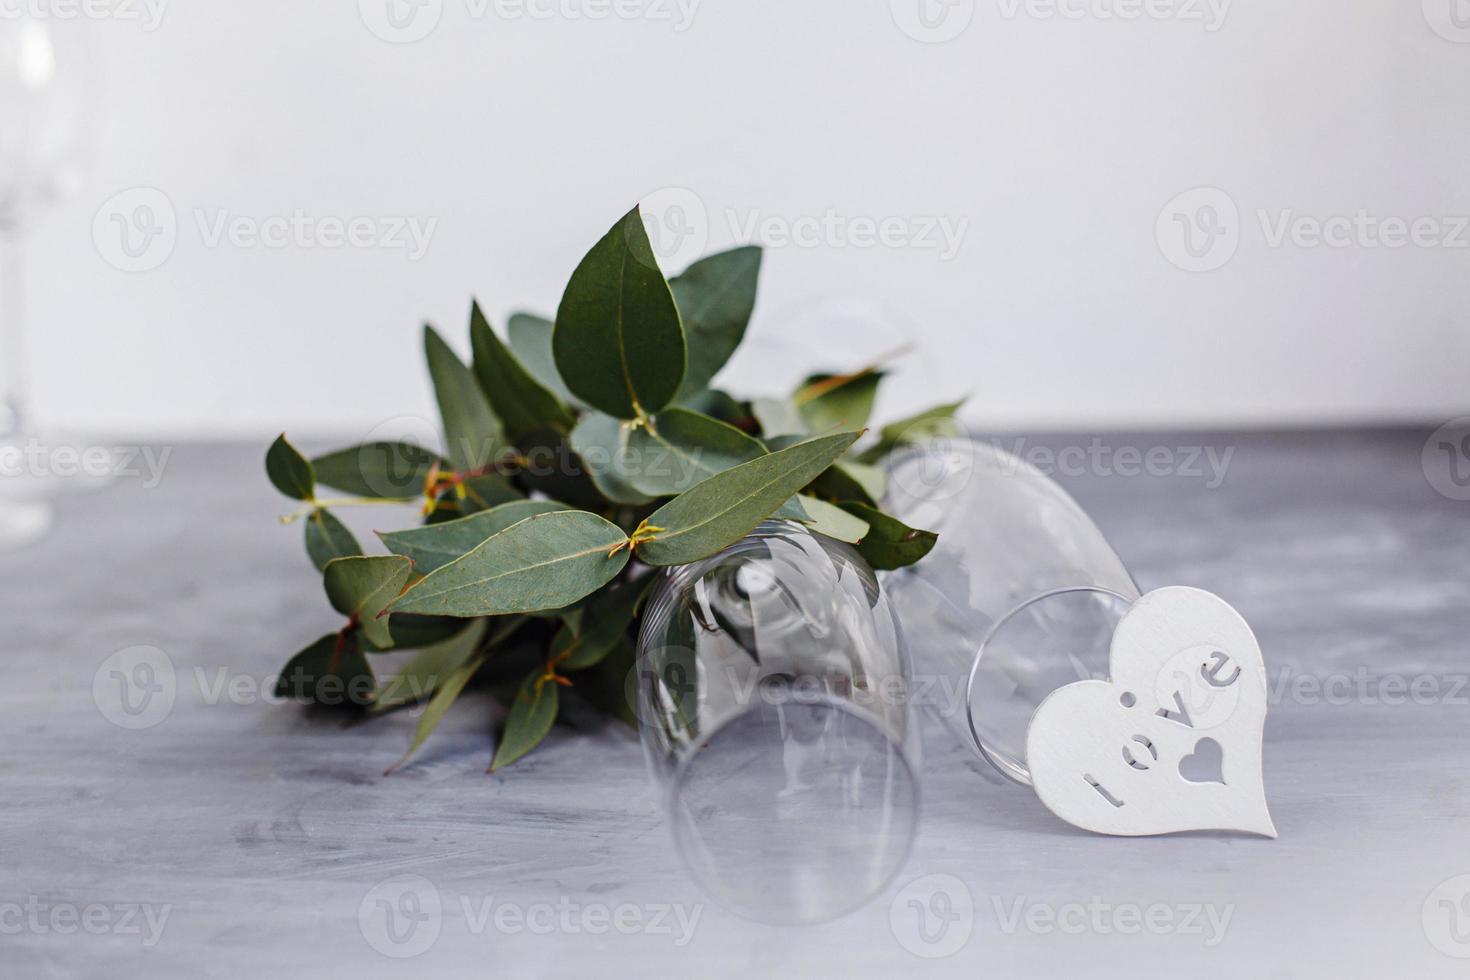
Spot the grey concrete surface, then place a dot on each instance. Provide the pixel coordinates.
(238, 838)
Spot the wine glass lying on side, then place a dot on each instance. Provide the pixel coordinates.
(1129, 714)
(772, 704)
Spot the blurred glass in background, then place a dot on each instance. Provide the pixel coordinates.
(47, 68)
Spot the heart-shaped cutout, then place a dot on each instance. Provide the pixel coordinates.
(1172, 741)
(1205, 765)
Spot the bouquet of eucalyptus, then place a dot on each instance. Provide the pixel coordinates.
(580, 455)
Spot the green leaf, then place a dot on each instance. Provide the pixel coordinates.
(362, 587)
(617, 340)
(435, 545)
(331, 671)
(431, 667)
(471, 431)
(723, 509)
(572, 616)
(529, 337)
(678, 448)
(543, 562)
(716, 404)
(778, 443)
(872, 480)
(848, 480)
(777, 417)
(929, 424)
(889, 543)
(523, 403)
(553, 469)
(487, 491)
(289, 471)
(328, 538)
(564, 644)
(608, 685)
(532, 714)
(845, 401)
(412, 632)
(715, 296)
(632, 463)
(602, 443)
(444, 696)
(604, 623)
(792, 510)
(389, 470)
(833, 521)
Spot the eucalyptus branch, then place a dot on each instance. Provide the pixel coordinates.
(618, 386)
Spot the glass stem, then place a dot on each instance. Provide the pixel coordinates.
(13, 359)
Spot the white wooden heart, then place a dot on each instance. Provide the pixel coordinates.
(1172, 741)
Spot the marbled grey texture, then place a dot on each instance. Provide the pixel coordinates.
(261, 828)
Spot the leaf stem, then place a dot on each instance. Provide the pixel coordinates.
(550, 673)
(438, 482)
(644, 533)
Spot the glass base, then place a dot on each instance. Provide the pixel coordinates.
(23, 522)
(35, 469)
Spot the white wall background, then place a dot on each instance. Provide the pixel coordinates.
(1058, 140)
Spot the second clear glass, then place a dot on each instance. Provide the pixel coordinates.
(773, 708)
(1019, 597)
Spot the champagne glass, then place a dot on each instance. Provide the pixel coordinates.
(46, 65)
